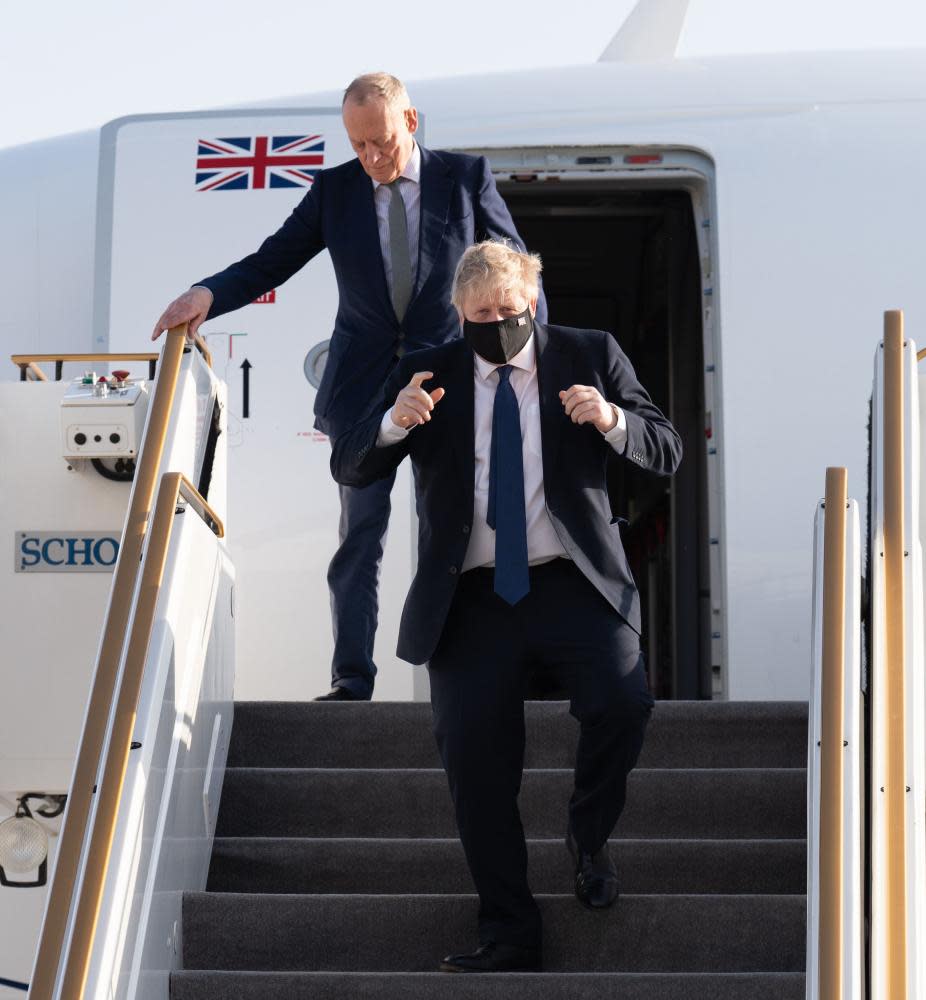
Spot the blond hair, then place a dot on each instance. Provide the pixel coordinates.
(494, 267)
(377, 85)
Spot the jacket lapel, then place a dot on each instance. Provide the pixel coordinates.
(436, 187)
(554, 373)
(458, 406)
(362, 228)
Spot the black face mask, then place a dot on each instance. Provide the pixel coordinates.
(498, 342)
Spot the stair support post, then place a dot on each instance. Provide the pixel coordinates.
(832, 753)
(894, 687)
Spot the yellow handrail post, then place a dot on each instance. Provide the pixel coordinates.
(895, 791)
(831, 845)
(80, 797)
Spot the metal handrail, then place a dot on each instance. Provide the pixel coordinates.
(203, 348)
(174, 485)
(832, 818)
(894, 694)
(29, 363)
(80, 799)
(196, 500)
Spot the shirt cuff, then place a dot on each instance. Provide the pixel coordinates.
(617, 436)
(389, 433)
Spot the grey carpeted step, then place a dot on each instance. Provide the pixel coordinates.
(398, 734)
(410, 933)
(301, 865)
(337, 872)
(434, 986)
(661, 803)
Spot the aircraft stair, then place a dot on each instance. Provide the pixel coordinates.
(768, 851)
(336, 871)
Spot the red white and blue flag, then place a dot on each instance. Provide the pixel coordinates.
(279, 161)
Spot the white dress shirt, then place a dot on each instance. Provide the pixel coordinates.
(410, 187)
(543, 543)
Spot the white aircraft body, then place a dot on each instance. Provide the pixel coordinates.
(738, 223)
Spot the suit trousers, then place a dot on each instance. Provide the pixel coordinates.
(478, 677)
(353, 582)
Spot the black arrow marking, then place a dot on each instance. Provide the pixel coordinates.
(246, 367)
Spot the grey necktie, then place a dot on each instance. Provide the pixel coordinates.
(398, 251)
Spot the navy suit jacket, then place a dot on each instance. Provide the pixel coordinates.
(459, 206)
(574, 463)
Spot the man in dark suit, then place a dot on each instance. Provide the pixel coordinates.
(519, 562)
(395, 221)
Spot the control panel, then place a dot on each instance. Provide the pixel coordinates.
(103, 416)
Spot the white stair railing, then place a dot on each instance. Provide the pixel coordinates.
(898, 735)
(835, 793)
(150, 767)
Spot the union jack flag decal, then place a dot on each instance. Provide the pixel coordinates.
(279, 161)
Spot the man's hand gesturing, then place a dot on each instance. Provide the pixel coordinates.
(413, 405)
(584, 404)
(191, 307)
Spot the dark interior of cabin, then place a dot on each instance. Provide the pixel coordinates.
(626, 261)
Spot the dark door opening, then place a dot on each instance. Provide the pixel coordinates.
(627, 261)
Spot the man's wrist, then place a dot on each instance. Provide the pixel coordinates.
(615, 419)
(389, 431)
(205, 289)
(616, 436)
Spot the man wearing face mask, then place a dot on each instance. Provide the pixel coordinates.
(519, 562)
(395, 221)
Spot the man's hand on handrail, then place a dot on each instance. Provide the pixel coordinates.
(191, 307)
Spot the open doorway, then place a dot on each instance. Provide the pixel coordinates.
(626, 259)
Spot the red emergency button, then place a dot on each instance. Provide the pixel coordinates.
(121, 375)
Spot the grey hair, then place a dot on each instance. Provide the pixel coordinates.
(493, 266)
(377, 85)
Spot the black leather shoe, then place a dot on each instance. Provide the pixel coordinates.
(495, 957)
(339, 694)
(596, 876)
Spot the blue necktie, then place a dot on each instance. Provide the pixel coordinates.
(506, 515)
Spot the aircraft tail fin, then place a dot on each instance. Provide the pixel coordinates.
(651, 32)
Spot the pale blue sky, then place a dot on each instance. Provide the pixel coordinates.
(66, 66)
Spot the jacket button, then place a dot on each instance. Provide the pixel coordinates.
(453, 571)
(465, 529)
